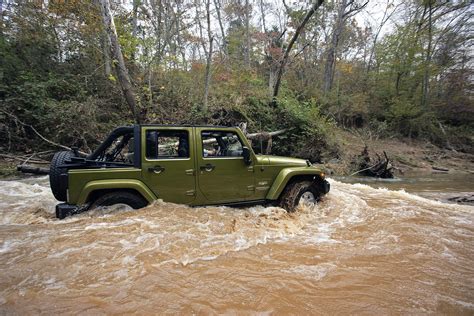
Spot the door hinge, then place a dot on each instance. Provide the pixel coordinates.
(189, 172)
(250, 188)
(191, 193)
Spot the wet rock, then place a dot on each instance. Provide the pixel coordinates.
(463, 199)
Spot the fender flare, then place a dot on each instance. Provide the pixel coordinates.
(285, 176)
(137, 185)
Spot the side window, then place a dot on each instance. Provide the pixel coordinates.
(167, 144)
(221, 144)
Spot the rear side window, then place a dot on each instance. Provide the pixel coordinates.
(221, 144)
(167, 144)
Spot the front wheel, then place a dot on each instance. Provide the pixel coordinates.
(131, 199)
(296, 193)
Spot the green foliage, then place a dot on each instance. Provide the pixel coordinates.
(52, 76)
(311, 135)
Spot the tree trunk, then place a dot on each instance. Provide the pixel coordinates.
(178, 35)
(262, 10)
(208, 57)
(136, 3)
(426, 77)
(247, 34)
(331, 55)
(221, 26)
(119, 62)
(283, 62)
(1, 17)
(208, 76)
(157, 8)
(346, 9)
(272, 75)
(106, 53)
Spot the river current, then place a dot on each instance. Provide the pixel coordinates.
(362, 250)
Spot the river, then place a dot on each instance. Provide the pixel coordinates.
(368, 248)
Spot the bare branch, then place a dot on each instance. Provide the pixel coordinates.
(37, 133)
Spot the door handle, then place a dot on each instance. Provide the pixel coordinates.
(156, 169)
(208, 167)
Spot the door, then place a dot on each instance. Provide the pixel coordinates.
(223, 176)
(168, 163)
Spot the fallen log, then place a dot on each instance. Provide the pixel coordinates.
(32, 169)
(440, 169)
(23, 160)
(266, 134)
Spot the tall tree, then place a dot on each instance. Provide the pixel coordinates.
(218, 6)
(210, 38)
(346, 9)
(426, 78)
(247, 34)
(283, 62)
(119, 61)
(386, 16)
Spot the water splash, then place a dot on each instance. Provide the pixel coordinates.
(386, 249)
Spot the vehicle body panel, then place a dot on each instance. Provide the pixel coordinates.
(267, 170)
(228, 179)
(176, 182)
(79, 181)
(286, 174)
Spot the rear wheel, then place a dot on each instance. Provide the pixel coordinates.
(131, 199)
(296, 193)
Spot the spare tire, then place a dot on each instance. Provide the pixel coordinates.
(59, 189)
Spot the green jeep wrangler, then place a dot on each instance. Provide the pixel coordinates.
(194, 165)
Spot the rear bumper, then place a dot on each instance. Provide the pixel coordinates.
(64, 210)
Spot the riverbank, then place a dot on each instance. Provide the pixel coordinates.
(408, 156)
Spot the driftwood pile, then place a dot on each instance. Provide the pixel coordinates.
(379, 167)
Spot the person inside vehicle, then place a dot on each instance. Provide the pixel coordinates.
(183, 146)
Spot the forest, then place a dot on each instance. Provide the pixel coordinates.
(70, 71)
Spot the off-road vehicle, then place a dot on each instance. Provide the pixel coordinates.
(194, 165)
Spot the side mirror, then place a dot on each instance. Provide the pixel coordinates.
(246, 155)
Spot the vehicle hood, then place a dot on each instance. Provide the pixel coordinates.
(281, 161)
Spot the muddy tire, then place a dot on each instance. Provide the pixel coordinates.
(295, 192)
(59, 189)
(131, 199)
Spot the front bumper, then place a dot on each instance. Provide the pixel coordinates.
(325, 187)
(64, 210)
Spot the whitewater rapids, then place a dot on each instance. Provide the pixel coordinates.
(362, 250)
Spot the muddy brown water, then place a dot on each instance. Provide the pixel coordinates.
(362, 250)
